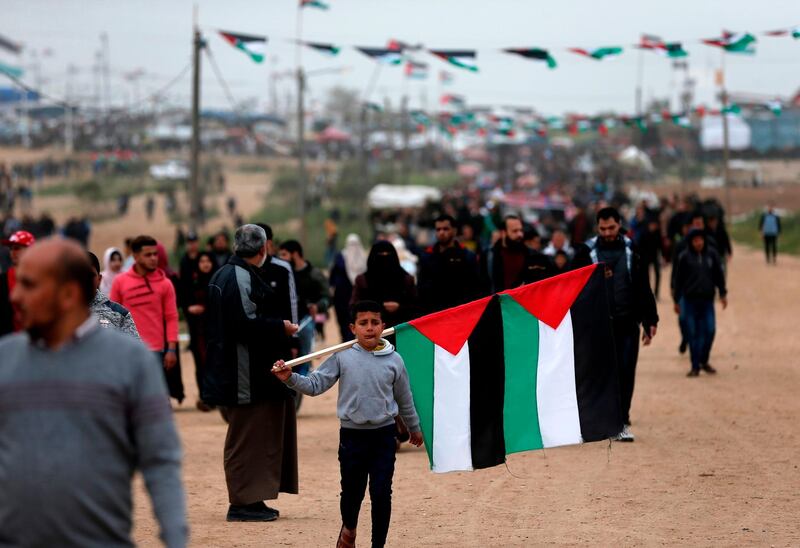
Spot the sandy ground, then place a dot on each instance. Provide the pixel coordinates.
(714, 462)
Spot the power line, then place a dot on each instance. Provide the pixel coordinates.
(219, 77)
(66, 104)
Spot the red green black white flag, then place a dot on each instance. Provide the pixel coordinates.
(734, 42)
(461, 58)
(598, 53)
(534, 53)
(328, 49)
(526, 369)
(314, 4)
(415, 70)
(254, 46)
(389, 56)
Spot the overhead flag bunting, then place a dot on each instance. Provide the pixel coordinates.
(10, 45)
(597, 53)
(534, 53)
(328, 49)
(254, 46)
(387, 56)
(415, 70)
(445, 78)
(775, 106)
(793, 32)
(14, 72)
(672, 50)
(314, 4)
(462, 58)
(738, 42)
(527, 369)
(454, 100)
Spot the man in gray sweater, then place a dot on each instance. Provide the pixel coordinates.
(373, 390)
(81, 409)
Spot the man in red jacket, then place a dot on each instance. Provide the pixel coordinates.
(9, 315)
(150, 297)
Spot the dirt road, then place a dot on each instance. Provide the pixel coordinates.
(715, 461)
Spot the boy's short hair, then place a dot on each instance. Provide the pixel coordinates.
(365, 306)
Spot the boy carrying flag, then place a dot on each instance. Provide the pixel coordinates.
(374, 389)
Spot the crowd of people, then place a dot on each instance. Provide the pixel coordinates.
(250, 301)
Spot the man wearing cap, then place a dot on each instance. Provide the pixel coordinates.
(9, 314)
(698, 276)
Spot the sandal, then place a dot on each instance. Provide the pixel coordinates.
(346, 539)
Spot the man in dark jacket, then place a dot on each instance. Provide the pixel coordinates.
(698, 275)
(509, 263)
(312, 295)
(448, 272)
(245, 333)
(630, 299)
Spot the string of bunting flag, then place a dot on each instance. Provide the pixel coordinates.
(397, 52)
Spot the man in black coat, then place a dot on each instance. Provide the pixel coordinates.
(448, 272)
(509, 263)
(630, 299)
(245, 333)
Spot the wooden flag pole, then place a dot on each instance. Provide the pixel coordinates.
(330, 350)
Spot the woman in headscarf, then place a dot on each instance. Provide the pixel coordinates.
(195, 309)
(387, 283)
(347, 265)
(174, 379)
(112, 266)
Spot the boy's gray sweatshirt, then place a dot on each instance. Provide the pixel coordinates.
(374, 387)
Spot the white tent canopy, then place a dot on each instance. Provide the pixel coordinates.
(399, 196)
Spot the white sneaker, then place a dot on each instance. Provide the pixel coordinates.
(625, 435)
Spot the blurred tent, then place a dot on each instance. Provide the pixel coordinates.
(402, 196)
(333, 135)
(634, 157)
(711, 133)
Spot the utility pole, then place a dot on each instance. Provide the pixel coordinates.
(725, 141)
(194, 176)
(69, 131)
(362, 148)
(406, 172)
(106, 71)
(301, 155)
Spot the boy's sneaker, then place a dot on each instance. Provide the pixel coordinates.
(625, 435)
(252, 512)
(708, 369)
(693, 373)
(682, 348)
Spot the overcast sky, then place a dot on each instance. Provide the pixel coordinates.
(155, 35)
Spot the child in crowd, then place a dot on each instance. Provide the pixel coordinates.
(374, 389)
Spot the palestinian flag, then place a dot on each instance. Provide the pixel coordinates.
(456, 101)
(13, 72)
(415, 70)
(328, 49)
(597, 53)
(681, 120)
(733, 108)
(254, 46)
(314, 4)
(461, 58)
(389, 56)
(741, 42)
(534, 53)
(673, 50)
(775, 106)
(527, 369)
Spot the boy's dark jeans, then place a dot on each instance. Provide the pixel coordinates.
(367, 454)
(701, 324)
